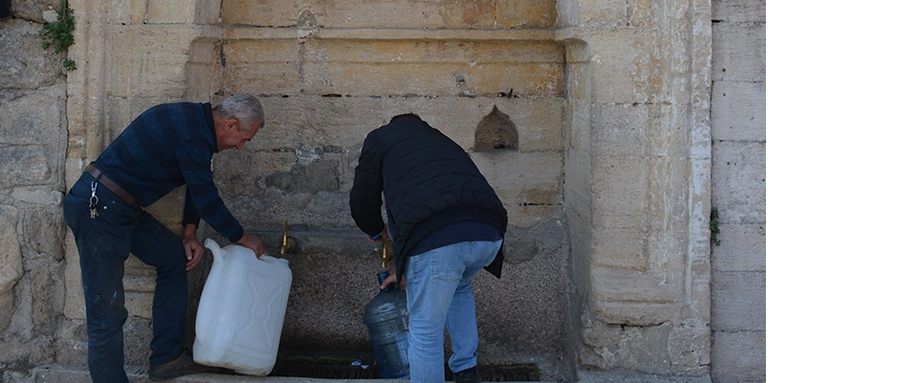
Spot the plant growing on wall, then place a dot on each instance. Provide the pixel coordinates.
(58, 34)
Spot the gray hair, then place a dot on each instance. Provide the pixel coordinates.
(245, 108)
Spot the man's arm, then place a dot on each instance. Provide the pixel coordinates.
(365, 196)
(203, 200)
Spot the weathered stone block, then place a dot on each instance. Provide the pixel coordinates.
(345, 121)
(621, 130)
(526, 14)
(739, 111)
(638, 130)
(528, 184)
(743, 248)
(47, 294)
(261, 51)
(74, 292)
(10, 261)
(33, 117)
(689, 347)
(204, 70)
(32, 66)
(315, 121)
(40, 195)
(738, 301)
(318, 175)
(33, 10)
(432, 79)
(431, 68)
(583, 13)
(278, 78)
(739, 52)
(7, 307)
(578, 175)
(262, 67)
(20, 352)
(45, 230)
(641, 348)
(624, 247)
(182, 12)
(739, 356)
(739, 10)
(645, 288)
(739, 178)
(124, 12)
(167, 47)
(454, 14)
(25, 165)
(273, 13)
(271, 208)
(71, 345)
(621, 71)
(243, 173)
(645, 13)
(320, 209)
(621, 188)
(170, 12)
(327, 209)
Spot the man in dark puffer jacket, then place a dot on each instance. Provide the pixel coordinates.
(446, 223)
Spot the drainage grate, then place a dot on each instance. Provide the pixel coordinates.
(507, 373)
(323, 367)
(340, 368)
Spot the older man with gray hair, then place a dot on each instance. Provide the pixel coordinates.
(167, 146)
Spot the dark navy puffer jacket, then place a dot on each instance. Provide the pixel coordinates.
(428, 181)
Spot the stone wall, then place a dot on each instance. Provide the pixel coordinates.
(327, 72)
(739, 190)
(32, 145)
(613, 116)
(637, 185)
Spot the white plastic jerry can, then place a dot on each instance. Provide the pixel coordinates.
(241, 310)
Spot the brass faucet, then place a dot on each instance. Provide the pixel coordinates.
(387, 252)
(288, 243)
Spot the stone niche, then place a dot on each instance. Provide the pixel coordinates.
(594, 145)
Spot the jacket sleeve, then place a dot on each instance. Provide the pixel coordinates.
(365, 196)
(189, 214)
(202, 199)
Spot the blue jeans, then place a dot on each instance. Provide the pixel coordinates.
(103, 245)
(439, 293)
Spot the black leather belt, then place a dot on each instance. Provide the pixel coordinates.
(111, 185)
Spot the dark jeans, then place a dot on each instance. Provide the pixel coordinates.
(103, 245)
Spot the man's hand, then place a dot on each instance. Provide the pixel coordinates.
(253, 243)
(393, 279)
(378, 237)
(193, 250)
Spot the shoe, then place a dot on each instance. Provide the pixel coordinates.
(469, 375)
(182, 365)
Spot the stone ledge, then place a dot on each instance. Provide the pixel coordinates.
(255, 33)
(624, 376)
(56, 373)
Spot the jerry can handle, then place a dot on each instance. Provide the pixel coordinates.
(213, 247)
